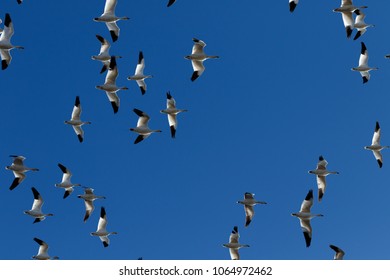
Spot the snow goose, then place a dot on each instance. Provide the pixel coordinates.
(234, 245)
(42, 251)
(5, 42)
(375, 146)
(249, 202)
(18, 169)
(363, 67)
(88, 198)
(110, 18)
(139, 76)
(101, 229)
(305, 216)
(104, 55)
(360, 25)
(171, 2)
(75, 121)
(197, 57)
(321, 172)
(346, 9)
(171, 112)
(293, 4)
(36, 211)
(339, 254)
(110, 86)
(142, 126)
(66, 183)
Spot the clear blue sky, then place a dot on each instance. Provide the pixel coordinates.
(281, 94)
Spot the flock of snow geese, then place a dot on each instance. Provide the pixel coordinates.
(197, 57)
(347, 10)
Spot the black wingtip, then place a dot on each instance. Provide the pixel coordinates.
(307, 239)
(105, 244)
(100, 38)
(66, 194)
(235, 229)
(138, 112)
(4, 65)
(309, 195)
(112, 62)
(349, 30)
(37, 220)
(321, 158)
(292, 6)
(358, 34)
(77, 101)
(140, 57)
(114, 37)
(102, 212)
(14, 184)
(138, 139)
(173, 131)
(35, 193)
(142, 90)
(169, 96)
(194, 76)
(104, 69)
(7, 20)
(363, 50)
(81, 139)
(379, 163)
(365, 80)
(170, 3)
(62, 167)
(39, 241)
(320, 195)
(114, 107)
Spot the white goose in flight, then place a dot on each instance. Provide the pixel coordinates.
(88, 198)
(249, 202)
(110, 86)
(42, 251)
(18, 168)
(139, 76)
(66, 183)
(142, 128)
(110, 18)
(5, 42)
(101, 229)
(75, 121)
(360, 25)
(376, 146)
(171, 112)
(234, 245)
(197, 57)
(346, 9)
(363, 67)
(339, 254)
(321, 172)
(305, 216)
(36, 209)
(104, 54)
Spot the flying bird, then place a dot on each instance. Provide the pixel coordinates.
(376, 146)
(5, 42)
(249, 202)
(171, 112)
(360, 25)
(42, 251)
(346, 9)
(234, 245)
(363, 67)
(101, 229)
(36, 209)
(88, 198)
(18, 169)
(110, 19)
(110, 86)
(339, 254)
(321, 172)
(142, 126)
(104, 54)
(75, 121)
(66, 183)
(197, 57)
(305, 216)
(292, 4)
(170, 3)
(139, 76)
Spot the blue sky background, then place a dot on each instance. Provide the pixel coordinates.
(281, 94)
